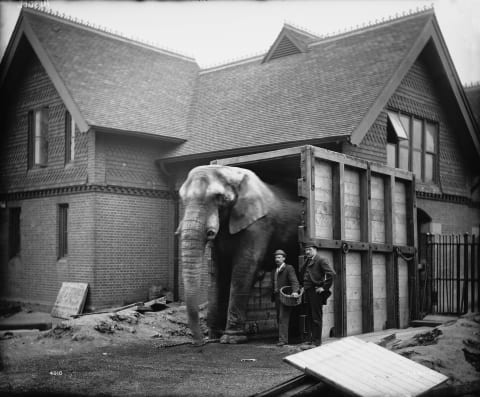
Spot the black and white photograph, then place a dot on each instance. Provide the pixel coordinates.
(240, 198)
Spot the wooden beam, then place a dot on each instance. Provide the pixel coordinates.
(338, 186)
(260, 157)
(308, 175)
(391, 265)
(412, 238)
(340, 304)
(366, 257)
(339, 158)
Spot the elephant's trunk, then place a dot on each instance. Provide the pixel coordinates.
(192, 245)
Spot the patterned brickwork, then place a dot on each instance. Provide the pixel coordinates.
(131, 161)
(417, 95)
(36, 90)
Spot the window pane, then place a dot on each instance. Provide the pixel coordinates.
(429, 161)
(72, 141)
(38, 123)
(63, 230)
(391, 155)
(14, 232)
(403, 158)
(397, 126)
(417, 134)
(430, 134)
(38, 136)
(405, 120)
(41, 131)
(417, 163)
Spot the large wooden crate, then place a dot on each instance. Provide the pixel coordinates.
(362, 215)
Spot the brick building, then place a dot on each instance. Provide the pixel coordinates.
(98, 132)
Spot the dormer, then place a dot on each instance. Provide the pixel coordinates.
(290, 41)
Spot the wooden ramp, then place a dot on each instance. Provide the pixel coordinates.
(365, 369)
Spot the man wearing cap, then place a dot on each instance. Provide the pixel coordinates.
(283, 275)
(317, 277)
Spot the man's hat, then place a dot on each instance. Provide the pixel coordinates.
(280, 252)
(309, 244)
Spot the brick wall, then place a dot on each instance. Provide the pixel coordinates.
(37, 274)
(454, 218)
(34, 89)
(134, 247)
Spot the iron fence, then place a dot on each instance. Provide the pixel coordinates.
(450, 281)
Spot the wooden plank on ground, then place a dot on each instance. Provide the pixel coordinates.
(70, 300)
(366, 369)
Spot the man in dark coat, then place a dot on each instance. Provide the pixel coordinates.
(283, 275)
(317, 276)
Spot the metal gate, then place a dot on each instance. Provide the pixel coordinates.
(450, 281)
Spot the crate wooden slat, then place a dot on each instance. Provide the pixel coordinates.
(366, 369)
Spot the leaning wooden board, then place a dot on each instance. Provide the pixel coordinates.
(70, 300)
(365, 369)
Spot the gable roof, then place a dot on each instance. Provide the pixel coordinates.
(333, 91)
(290, 41)
(107, 81)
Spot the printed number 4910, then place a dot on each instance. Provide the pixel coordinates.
(56, 373)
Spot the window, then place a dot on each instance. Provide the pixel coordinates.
(69, 138)
(37, 137)
(62, 230)
(412, 145)
(14, 232)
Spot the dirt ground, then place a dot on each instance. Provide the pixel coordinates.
(128, 353)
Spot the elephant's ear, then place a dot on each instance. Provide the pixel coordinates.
(253, 201)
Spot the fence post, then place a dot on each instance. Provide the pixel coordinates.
(458, 276)
(465, 273)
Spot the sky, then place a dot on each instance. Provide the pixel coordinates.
(216, 32)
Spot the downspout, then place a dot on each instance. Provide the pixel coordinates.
(171, 187)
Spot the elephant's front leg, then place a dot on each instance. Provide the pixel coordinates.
(243, 278)
(219, 290)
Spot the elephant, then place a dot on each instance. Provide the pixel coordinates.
(244, 220)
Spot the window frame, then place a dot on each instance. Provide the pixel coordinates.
(69, 138)
(62, 230)
(411, 149)
(38, 123)
(14, 231)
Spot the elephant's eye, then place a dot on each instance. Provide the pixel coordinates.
(222, 199)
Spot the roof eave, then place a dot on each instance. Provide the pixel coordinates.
(11, 49)
(361, 130)
(253, 149)
(140, 134)
(25, 29)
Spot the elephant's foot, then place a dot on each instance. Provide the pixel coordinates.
(198, 343)
(233, 339)
(214, 334)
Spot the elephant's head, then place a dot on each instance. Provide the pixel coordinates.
(209, 192)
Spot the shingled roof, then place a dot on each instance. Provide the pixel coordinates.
(110, 82)
(305, 89)
(333, 90)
